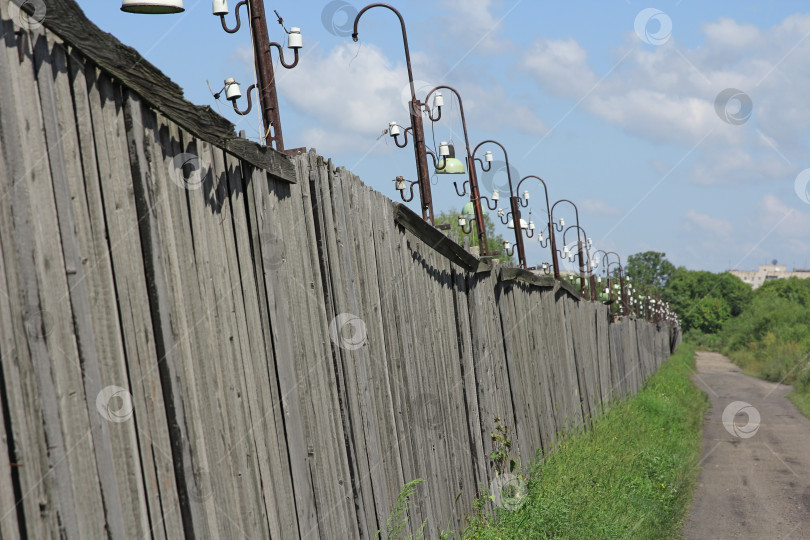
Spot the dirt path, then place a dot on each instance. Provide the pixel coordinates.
(755, 481)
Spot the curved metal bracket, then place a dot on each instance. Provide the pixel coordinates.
(467, 229)
(463, 186)
(402, 191)
(238, 20)
(249, 102)
(485, 168)
(404, 137)
(492, 206)
(281, 55)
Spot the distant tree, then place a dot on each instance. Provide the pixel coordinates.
(649, 270)
(708, 315)
(494, 240)
(793, 289)
(704, 300)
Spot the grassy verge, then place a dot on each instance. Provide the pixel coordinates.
(800, 396)
(632, 476)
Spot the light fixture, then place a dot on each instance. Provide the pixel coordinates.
(468, 209)
(393, 129)
(220, 7)
(232, 90)
(449, 163)
(154, 7)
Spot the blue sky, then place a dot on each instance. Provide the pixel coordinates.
(615, 114)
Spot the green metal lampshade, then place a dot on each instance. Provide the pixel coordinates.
(152, 6)
(468, 209)
(452, 165)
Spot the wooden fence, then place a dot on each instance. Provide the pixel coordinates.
(200, 337)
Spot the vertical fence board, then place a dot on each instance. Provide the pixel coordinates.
(280, 430)
(21, 390)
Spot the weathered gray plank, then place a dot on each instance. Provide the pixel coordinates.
(124, 245)
(21, 390)
(434, 238)
(10, 525)
(470, 395)
(43, 288)
(91, 231)
(262, 430)
(267, 255)
(268, 196)
(329, 462)
(65, 162)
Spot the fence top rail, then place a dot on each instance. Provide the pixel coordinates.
(433, 237)
(67, 20)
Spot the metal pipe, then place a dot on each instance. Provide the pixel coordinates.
(474, 193)
(416, 118)
(268, 96)
(551, 234)
(579, 240)
(515, 204)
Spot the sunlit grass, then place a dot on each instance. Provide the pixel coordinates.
(631, 476)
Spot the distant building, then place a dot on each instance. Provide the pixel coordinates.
(767, 272)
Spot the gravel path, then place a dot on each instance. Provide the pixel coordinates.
(755, 477)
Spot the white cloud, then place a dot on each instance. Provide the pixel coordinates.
(786, 222)
(727, 36)
(473, 23)
(708, 224)
(350, 94)
(350, 91)
(598, 208)
(560, 66)
(667, 95)
(490, 107)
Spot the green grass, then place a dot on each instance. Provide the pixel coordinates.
(800, 396)
(631, 476)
